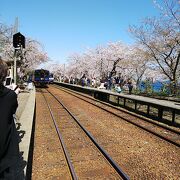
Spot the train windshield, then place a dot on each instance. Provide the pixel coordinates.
(41, 73)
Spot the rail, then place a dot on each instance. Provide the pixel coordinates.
(71, 168)
(101, 149)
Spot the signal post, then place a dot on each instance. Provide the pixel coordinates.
(18, 44)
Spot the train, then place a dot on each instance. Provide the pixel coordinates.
(42, 77)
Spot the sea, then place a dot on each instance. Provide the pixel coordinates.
(156, 86)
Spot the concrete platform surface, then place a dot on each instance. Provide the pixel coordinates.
(24, 122)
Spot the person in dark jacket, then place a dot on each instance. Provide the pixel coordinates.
(130, 86)
(9, 145)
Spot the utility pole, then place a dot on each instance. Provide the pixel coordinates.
(16, 25)
(15, 52)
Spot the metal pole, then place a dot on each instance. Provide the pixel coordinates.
(15, 54)
(15, 68)
(16, 25)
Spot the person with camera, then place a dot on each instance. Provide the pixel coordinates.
(9, 145)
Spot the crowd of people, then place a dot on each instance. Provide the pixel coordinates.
(116, 83)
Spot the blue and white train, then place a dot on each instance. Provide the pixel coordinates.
(41, 77)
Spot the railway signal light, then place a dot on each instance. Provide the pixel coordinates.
(18, 40)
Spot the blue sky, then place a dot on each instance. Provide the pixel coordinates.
(68, 26)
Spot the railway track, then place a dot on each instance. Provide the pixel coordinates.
(84, 156)
(141, 153)
(162, 131)
(48, 159)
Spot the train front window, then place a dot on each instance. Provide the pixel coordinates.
(37, 74)
(46, 73)
(41, 73)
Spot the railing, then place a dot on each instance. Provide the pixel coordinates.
(164, 111)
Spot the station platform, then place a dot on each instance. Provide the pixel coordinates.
(150, 100)
(166, 103)
(24, 123)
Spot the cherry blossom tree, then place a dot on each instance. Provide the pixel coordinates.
(139, 64)
(97, 58)
(160, 37)
(30, 57)
(33, 55)
(116, 56)
(77, 66)
(5, 36)
(57, 70)
(99, 62)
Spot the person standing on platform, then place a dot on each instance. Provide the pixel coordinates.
(93, 82)
(88, 82)
(9, 145)
(83, 80)
(130, 86)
